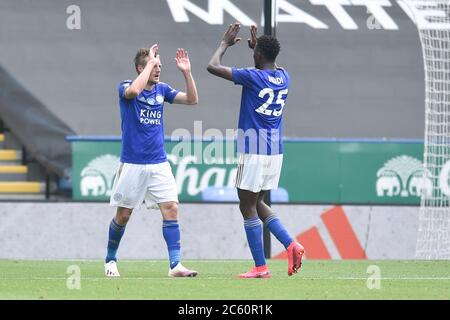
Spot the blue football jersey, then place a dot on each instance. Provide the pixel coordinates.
(142, 124)
(264, 94)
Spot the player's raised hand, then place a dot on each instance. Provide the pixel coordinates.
(154, 52)
(230, 35)
(182, 60)
(252, 40)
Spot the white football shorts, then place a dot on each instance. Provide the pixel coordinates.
(258, 172)
(135, 183)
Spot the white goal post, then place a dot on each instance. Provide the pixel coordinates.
(432, 18)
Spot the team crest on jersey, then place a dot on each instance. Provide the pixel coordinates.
(155, 101)
(159, 99)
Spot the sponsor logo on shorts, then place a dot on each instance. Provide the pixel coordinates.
(117, 197)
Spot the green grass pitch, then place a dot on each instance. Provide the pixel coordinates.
(345, 279)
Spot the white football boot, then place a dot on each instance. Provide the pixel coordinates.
(180, 271)
(111, 269)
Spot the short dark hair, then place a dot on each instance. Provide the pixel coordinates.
(269, 47)
(141, 55)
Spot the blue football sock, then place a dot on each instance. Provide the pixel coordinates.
(115, 234)
(253, 230)
(171, 233)
(275, 226)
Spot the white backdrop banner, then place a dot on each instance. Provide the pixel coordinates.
(208, 231)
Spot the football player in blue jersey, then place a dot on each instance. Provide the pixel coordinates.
(144, 173)
(259, 142)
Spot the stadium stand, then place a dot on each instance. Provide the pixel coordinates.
(75, 73)
(35, 134)
(72, 75)
(14, 180)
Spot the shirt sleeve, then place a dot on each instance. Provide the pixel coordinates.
(122, 87)
(169, 93)
(242, 76)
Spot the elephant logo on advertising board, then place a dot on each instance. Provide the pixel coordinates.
(388, 182)
(403, 176)
(98, 176)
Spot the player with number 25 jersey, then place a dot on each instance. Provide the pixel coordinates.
(259, 143)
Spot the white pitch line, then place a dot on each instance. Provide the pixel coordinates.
(233, 278)
(390, 278)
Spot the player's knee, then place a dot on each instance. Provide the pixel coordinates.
(170, 210)
(260, 204)
(247, 208)
(123, 215)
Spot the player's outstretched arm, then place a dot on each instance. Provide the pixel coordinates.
(184, 65)
(141, 80)
(215, 64)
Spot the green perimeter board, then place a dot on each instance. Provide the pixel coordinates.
(313, 171)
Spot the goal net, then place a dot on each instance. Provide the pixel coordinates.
(432, 19)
